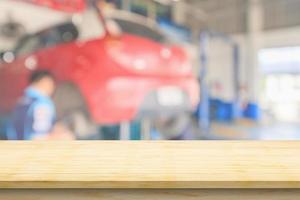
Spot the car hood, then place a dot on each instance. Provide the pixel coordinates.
(72, 6)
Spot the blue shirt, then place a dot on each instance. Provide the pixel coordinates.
(34, 116)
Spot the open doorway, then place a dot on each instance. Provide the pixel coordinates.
(280, 96)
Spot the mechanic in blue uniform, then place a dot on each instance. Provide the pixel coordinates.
(34, 115)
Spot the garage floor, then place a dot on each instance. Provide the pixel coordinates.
(242, 130)
(252, 131)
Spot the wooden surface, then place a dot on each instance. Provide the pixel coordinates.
(84, 194)
(167, 165)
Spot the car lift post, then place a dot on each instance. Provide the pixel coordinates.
(146, 129)
(125, 131)
(204, 120)
(203, 111)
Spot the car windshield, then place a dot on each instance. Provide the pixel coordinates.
(140, 30)
(58, 34)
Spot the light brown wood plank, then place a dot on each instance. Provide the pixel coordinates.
(232, 164)
(149, 194)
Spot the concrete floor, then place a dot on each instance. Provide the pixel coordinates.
(242, 130)
(254, 131)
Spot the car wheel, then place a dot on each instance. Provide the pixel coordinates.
(73, 113)
(174, 127)
(80, 124)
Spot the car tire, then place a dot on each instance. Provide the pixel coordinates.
(72, 112)
(174, 127)
(80, 124)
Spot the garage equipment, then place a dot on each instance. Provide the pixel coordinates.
(204, 117)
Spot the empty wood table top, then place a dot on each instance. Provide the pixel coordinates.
(142, 164)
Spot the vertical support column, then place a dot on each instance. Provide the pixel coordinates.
(151, 10)
(126, 5)
(236, 81)
(179, 12)
(204, 109)
(255, 25)
(125, 131)
(146, 129)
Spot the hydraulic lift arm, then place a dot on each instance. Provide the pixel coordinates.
(71, 6)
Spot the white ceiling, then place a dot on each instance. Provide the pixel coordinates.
(230, 16)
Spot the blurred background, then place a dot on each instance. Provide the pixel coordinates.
(158, 69)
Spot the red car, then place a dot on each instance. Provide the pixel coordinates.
(109, 69)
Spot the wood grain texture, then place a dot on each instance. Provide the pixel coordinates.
(211, 194)
(232, 164)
